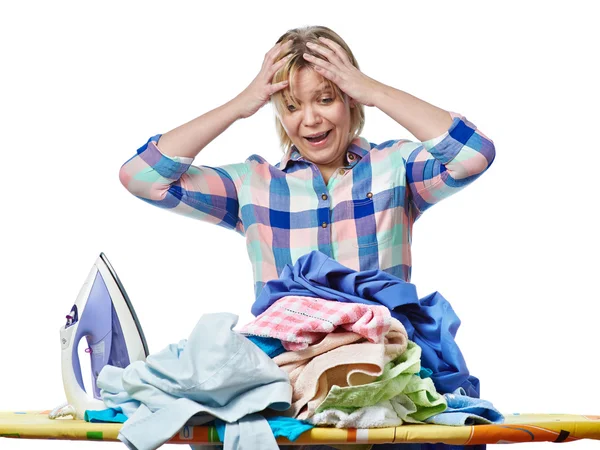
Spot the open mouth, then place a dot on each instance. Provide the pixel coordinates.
(317, 139)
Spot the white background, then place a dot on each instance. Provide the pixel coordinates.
(84, 85)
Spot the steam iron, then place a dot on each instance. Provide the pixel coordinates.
(104, 315)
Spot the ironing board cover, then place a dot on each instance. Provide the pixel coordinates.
(517, 428)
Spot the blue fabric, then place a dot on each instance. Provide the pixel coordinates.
(425, 372)
(288, 427)
(280, 426)
(430, 322)
(110, 415)
(249, 433)
(271, 346)
(216, 372)
(464, 410)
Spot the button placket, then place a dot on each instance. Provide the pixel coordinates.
(325, 207)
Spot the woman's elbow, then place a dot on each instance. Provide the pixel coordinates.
(473, 166)
(489, 151)
(482, 160)
(129, 182)
(124, 176)
(142, 187)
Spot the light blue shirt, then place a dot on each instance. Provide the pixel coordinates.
(215, 373)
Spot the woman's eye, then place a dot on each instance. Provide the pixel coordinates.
(291, 108)
(327, 100)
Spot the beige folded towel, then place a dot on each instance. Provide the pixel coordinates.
(342, 359)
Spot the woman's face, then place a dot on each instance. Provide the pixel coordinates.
(318, 111)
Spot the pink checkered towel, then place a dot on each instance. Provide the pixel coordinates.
(300, 321)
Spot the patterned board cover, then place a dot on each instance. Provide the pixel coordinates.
(517, 428)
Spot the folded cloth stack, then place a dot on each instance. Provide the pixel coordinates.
(430, 322)
(353, 343)
(363, 378)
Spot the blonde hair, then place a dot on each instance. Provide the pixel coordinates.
(300, 36)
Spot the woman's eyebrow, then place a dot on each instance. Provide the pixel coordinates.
(323, 90)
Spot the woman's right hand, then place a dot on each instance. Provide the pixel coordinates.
(251, 99)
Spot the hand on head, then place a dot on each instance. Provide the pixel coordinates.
(336, 66)
(260, 90)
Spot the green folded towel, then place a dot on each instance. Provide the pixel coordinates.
(400, 378)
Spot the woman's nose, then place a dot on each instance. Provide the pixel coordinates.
(311, 117)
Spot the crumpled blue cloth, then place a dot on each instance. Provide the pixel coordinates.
(271, 346)
(430, 322)
(110, 415)
(280, 426)
(425, 372)
(465, 410)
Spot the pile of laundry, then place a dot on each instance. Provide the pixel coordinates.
(350, 365)
(329, 346)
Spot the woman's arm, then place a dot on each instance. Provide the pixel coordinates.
(160, 173)
(190, 138)
(453, 152)
(205, 193)
(423, 120)
(439, 167)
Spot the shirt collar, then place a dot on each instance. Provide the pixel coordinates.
(357, 149)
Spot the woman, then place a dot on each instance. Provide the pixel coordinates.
(333, 190)
(352, 200)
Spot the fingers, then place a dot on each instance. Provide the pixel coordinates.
(324, 68)
(328, 74)
(277, 48)
(319, 63)
(272, 54)
(331, 50)
(322, 50)
(329, 61)
(278, 87)
(337, 48)
(278, 65)
(282, 84)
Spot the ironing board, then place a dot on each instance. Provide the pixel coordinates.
(517, 428)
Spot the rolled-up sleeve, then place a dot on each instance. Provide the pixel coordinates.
(172, 182)
(439, 167)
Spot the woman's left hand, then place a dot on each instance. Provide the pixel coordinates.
(338, 68)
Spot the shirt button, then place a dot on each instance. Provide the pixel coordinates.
(351, 156)
(324, 196)
(370, 195)
(342, 171)
(324, 224)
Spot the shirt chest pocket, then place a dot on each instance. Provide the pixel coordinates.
(372, 212)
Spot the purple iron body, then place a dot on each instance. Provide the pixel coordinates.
(104, 315)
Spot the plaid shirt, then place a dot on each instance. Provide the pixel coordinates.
(362, 218)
